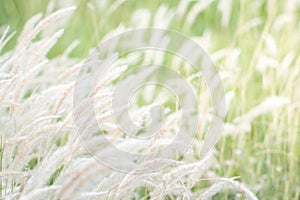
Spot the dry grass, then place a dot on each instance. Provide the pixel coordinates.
(42, 156)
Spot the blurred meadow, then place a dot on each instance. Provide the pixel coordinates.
(255, 46)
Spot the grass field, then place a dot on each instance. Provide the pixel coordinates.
(255, 46)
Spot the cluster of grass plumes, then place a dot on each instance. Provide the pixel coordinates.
(258, 58)
(42, 157)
